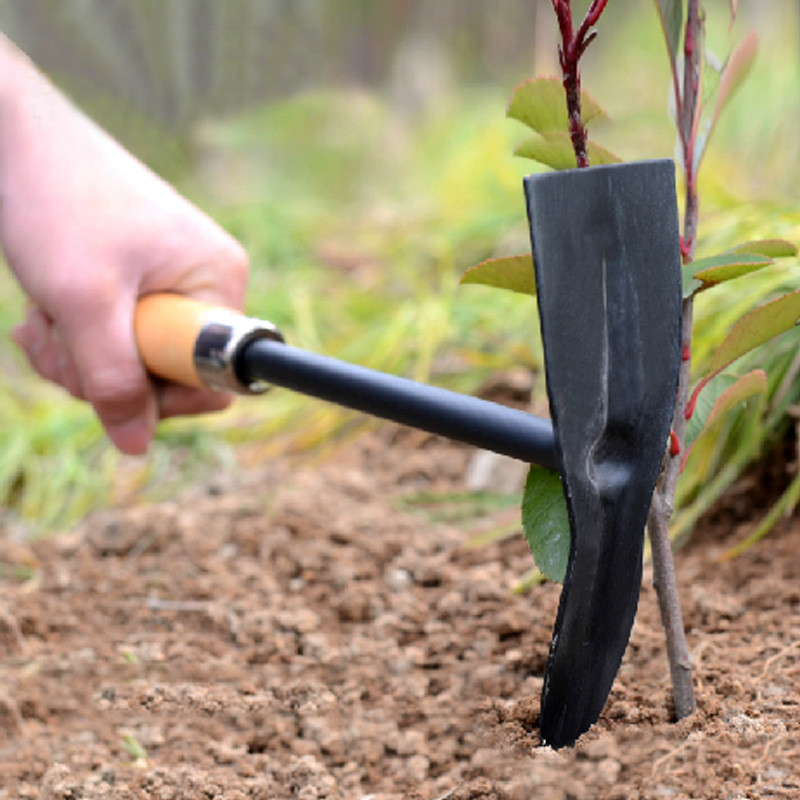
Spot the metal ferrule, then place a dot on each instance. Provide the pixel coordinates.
(217, 348)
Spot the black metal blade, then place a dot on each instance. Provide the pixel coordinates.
(606, 250)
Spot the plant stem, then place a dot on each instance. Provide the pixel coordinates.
(663, 503)
(570, 50)
(664, 578)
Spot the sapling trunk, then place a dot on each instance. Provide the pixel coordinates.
(664, 580)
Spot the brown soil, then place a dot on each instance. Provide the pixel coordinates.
(301, 634)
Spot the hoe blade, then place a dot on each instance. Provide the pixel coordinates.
(606, 250)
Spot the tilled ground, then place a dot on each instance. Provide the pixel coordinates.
(301, 634)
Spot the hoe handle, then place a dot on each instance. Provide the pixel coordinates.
(189, 342)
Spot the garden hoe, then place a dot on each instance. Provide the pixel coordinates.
(606, 253)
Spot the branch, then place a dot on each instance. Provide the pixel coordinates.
(592, 15)
(570, 50)
(689, 118)
(564, 16)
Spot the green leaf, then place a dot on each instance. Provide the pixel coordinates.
(759, 326)
(750, 384)
(691, 285)
(545, 522)
(540, 103)
(514, 273)
(719, 396)
(671, 14)
(732, 76)
(773, 248)
(736, 69)
(754, 329)
(133, 747)
(702, 273)
(704, 403)
(555, 150)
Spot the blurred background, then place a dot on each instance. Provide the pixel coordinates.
(360, 151)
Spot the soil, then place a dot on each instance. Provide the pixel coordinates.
(300, 632)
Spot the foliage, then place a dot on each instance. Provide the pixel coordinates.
(536, 104)
(730, 75)
(727, 392)
(358, 219)
(133, 747)
(545, 523)
(514, 273)
(56, 466)
(353, 254)
(754, 329)
(695, 125)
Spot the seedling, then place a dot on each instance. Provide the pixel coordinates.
(560, 141)
(133, 747)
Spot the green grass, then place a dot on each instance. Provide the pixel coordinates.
(356, 247)
(359, 222)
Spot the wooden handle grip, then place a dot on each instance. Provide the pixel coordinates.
(197, 344)
(167, 327)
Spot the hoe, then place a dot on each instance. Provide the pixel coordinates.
(607, 262)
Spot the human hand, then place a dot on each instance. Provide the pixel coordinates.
(87, 229)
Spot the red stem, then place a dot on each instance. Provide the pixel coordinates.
(564, 16)
(688, 122)
(592, 15)
(570, 51)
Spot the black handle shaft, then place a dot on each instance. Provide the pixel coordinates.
(460, 417)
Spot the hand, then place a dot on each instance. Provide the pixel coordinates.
(87, 229)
